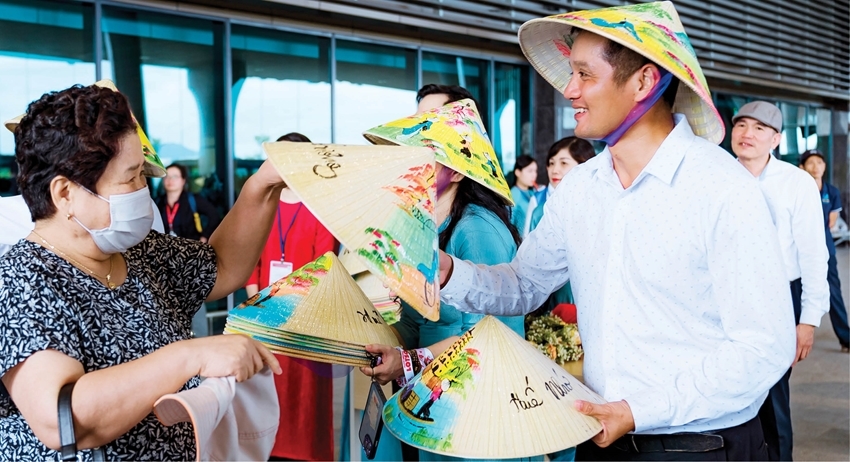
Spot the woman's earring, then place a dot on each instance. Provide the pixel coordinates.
(68, 216)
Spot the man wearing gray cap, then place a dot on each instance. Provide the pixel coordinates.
(794, 202)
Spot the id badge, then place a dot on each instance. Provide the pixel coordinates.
(279, 270)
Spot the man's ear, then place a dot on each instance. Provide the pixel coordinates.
(775, 141)
(648, 77)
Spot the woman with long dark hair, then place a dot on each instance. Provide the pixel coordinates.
(474, 224)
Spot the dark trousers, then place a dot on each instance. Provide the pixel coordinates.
(837, 310)
(775, 413)
(742, 442)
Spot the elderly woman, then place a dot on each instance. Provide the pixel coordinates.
(92, 296)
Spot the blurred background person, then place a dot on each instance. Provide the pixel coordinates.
(565, 154)
(813, 162)
(184, 213)
(525, 174)
(474, 224)
(305, 388)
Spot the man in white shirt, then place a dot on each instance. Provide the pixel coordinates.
(668, 244)
(795, 206)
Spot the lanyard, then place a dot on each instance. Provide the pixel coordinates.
(171, 213)
(282, 236)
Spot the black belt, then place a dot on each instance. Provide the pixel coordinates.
(675, 442)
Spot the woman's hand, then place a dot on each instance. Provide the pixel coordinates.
(231, 355)
(390, 367)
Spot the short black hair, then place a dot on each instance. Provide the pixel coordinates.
(580, 150)
(523, 161)
(296, 137)
(184, 172)
(453, 92)
(626, 62)
(73, 133)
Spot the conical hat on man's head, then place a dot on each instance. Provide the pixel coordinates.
(317, 309)
(650, 29)
(491, 395)
(456, 135)
(153, 165)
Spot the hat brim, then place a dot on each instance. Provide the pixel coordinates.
(542, 42)
(153, 167)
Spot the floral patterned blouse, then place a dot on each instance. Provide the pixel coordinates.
(47, 303)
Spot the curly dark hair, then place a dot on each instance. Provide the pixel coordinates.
(73, 133)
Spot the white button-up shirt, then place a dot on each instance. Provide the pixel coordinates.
(683, 305)
(795, 206)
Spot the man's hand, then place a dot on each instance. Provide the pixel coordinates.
(805, 340)
(446, 267)
(616, 419)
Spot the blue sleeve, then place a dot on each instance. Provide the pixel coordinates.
(834, 198)
(408, 326)
(480, 241)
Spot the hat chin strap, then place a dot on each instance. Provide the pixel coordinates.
(641, 108)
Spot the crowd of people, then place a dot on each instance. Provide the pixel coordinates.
(698, 277)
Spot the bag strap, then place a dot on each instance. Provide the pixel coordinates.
(194, 206)
(192, 203)
(67, 437)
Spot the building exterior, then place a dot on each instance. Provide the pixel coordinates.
(210, 80)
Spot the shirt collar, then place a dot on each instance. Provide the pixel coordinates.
(663, 164)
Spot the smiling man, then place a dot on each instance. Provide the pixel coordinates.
(794, 202)
(668, 244)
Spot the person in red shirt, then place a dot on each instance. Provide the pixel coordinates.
(305, 388)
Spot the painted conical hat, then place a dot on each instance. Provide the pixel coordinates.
(377, 292)
(379, 202)
(318, 307)
(651, 29)
(153, 165)
(491, 395)
(457, 137)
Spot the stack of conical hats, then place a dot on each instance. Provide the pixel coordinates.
(491, 395)
(378, 293)
(318, 312)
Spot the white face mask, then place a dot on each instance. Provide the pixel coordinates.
(131, 217)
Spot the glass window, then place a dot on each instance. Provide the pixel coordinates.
(375, 84)
(470, 73)
(171, 69)
(511, 127)
(281, 84)
(44, 46)
(794, 129)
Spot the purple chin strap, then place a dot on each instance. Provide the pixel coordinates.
(640, 108)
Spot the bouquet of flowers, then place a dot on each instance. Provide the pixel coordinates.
(555, 338)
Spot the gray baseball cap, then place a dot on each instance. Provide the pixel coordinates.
(764, 112)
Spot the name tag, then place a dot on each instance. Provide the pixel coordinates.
(279, 270)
